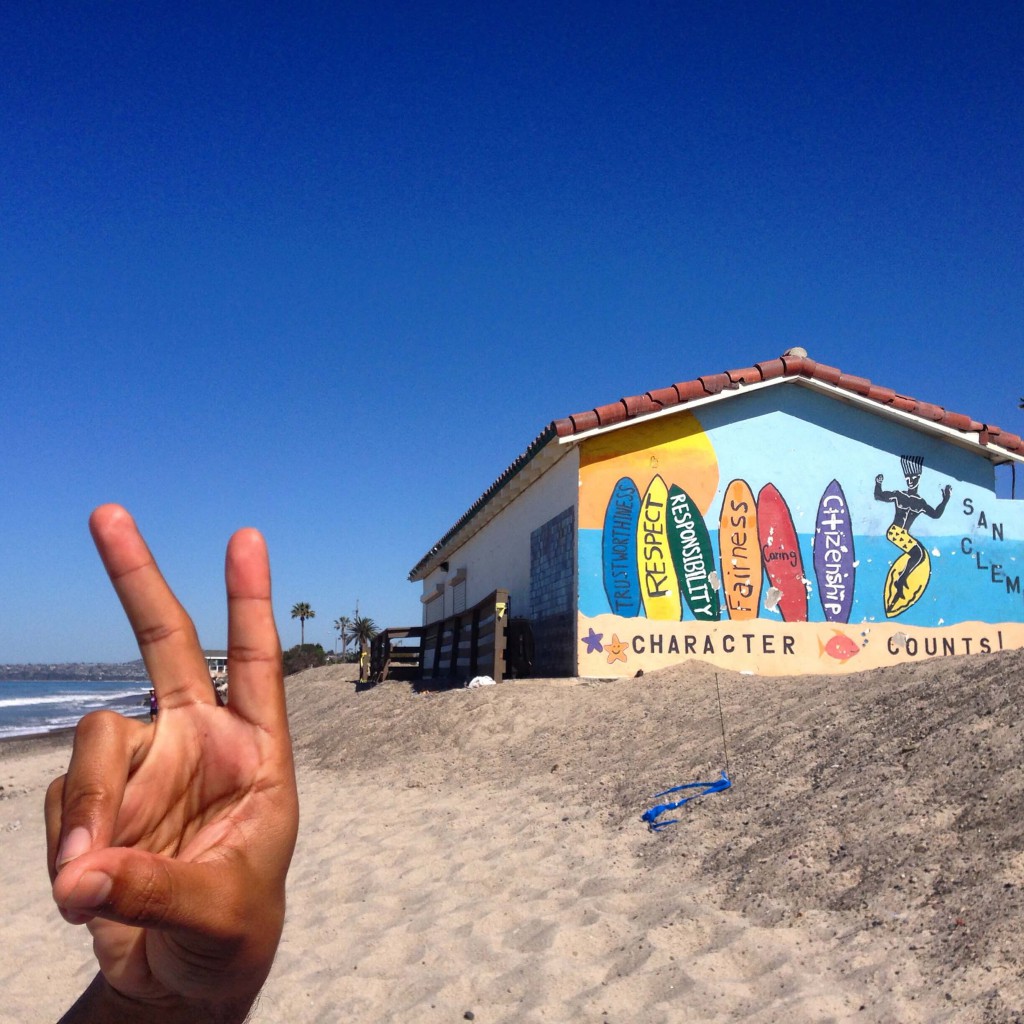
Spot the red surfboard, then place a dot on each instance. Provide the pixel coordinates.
(780, 553)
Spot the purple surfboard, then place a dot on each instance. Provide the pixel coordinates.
(834, 559)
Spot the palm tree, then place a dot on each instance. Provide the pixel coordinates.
(363, 629)
(302, 611)
(343, 627)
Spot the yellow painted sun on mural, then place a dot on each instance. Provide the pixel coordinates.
(674, 447)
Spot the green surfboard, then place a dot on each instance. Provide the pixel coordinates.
(692, 555)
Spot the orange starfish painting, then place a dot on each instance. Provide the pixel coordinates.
(616, 649)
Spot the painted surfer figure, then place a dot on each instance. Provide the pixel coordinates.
(910, 572)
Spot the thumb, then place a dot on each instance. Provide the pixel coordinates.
(148, 890)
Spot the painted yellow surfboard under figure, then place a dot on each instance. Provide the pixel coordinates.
(739, 553)
(659, 585)
(897, 603)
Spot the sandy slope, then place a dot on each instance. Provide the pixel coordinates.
(482, 851)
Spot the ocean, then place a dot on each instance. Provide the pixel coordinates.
(29, 708)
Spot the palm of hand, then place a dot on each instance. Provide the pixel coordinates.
(172, 840)
(193, 797)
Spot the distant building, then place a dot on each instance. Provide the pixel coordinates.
(782, 518)
(217, 663)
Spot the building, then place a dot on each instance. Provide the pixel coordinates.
(782, 518)
(217, 663)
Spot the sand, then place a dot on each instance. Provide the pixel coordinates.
(481, 851)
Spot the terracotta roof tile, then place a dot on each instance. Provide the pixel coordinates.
(615, 412)
(585, 420)
(883, 396)
(690, 389)
(748, 375)
(928, 411)
(639, 405)
(771, 369)
(957, 421)
(903, 403)
(664, 396)
(859, 385)
(828, 374)
(793, 364)
(715, 383)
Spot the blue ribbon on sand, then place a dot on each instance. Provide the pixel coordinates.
(651, 816)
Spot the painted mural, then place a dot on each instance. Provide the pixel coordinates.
(912, 570)
(698, 539)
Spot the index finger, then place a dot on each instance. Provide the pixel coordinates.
(255, 672)
(165, 634)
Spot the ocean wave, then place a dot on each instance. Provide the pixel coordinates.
(40, 727)
(77, 699)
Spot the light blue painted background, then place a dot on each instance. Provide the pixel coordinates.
(800, 440)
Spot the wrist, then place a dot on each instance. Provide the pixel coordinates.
(101, 1003)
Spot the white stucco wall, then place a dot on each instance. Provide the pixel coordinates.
(499, 554)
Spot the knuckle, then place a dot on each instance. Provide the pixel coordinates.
(148, 897)
(81, 801)
(97, 725)
(161, 632)
(250, 654)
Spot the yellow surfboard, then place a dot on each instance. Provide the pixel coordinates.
(896, 602)
(659, 585)
(740, 553)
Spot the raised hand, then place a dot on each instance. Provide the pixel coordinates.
(171, 841)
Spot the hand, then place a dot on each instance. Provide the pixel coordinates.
(879, 478)
(172, 840)
(947, 491)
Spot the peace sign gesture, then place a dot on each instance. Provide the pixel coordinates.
(172, 840)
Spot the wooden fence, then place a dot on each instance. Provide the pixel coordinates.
(471, 643)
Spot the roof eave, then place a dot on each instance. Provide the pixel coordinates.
(526, 470)
(969, 440)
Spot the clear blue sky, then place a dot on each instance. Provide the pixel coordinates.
(326, 269)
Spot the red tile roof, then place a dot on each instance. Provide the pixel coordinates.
(637, 406)
(793, 364)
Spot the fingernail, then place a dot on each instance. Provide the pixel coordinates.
(92, 889)
(76, 842)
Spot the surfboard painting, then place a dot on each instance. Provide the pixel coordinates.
(905, 584)
(780, 553)
(834, 561)
(692, 555)
(911, 571)
(618, 549)
(659, 586)
(739, 552)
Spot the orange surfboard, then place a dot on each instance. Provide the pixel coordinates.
(740, 552)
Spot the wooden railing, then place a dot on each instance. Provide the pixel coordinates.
(388, 658)
(471, 643)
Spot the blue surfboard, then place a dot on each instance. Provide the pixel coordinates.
(618, 549)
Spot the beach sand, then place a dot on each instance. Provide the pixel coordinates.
(481, 851)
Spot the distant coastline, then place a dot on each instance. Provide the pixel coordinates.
(83, 671)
